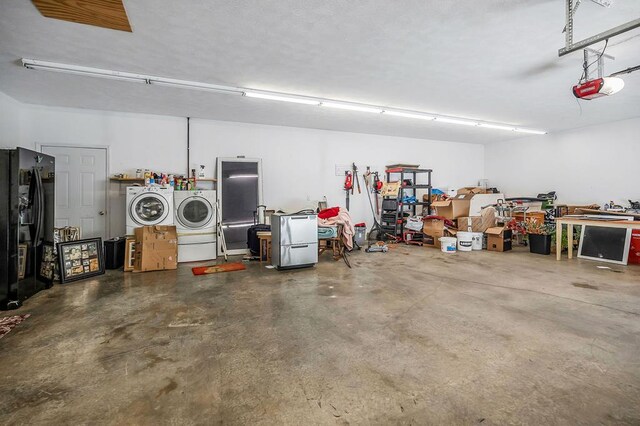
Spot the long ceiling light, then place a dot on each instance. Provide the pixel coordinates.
(184, 84)
(127, 76)
(496, 126)
(259, 94)
(456, 121)
(531, 131)
(281, 98)
(32, 64)
(409, 115)
(351, 107)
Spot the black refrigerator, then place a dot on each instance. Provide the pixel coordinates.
(27, 202)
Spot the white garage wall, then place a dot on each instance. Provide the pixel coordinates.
(10, 111)
(133, 141)
(298, 164)
(593, 164)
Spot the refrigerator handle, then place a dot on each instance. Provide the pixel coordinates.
(40, 210)
(42, 206)
(34, 205)
(301, 246)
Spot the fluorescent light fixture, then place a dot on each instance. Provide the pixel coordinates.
(409, 115)
(275, 96)
(126, 76)
(496, 126)
(243, 176)
(351, 107)
(87, 74)
(194, 85)
(84, 71)
(282, 98)
(533, 132)
(456, 121)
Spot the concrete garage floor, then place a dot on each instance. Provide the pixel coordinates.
(413, 336)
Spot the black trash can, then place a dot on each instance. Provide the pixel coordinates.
(114, 253)
(540, 244)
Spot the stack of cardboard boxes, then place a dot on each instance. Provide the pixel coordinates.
(156, 248)
(468, 211)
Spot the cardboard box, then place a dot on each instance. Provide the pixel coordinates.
(537, 217)
(498, 239)
(434, 197)
(432, 230)
(470, 224)
(156, 248)
(481, 223)
(471, 190)
(577, 209)
(453, 208)
(390, 189)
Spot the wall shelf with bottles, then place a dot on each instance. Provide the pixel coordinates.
(133, 180)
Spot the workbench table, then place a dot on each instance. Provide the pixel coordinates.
(571, 221)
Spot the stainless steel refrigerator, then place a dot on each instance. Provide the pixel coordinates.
(294, 240)
(27, 201)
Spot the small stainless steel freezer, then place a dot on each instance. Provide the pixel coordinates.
(294, 240)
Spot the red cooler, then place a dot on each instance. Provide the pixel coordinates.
(634, 247)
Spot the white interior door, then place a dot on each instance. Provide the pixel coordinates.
(81, 188)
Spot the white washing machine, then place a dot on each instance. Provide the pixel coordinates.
(195, 219)
(148, 205)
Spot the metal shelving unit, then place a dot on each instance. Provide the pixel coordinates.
(394, 208)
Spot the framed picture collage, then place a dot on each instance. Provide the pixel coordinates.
(80, 259)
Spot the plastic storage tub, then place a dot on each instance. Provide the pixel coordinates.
(476, 243)
(465, 241)
(448, 244)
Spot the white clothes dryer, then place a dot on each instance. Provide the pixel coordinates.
(195, 219)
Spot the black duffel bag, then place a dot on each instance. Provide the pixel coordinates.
(252, 237)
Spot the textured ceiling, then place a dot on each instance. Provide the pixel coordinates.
(494, 60)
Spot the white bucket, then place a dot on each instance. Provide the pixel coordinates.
(476, 243)
(448, 244)
(465, 241)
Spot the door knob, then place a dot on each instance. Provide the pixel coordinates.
(101, 213)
